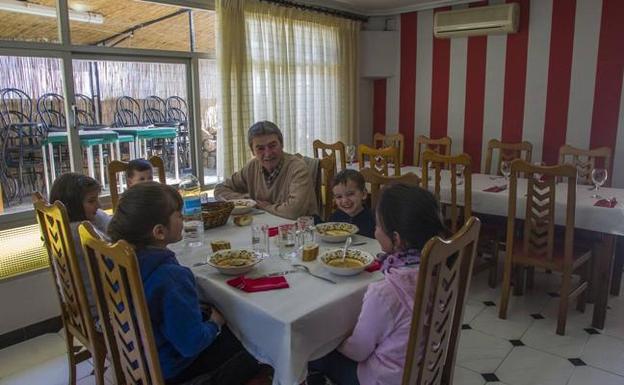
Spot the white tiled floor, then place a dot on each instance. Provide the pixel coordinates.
(534, 356)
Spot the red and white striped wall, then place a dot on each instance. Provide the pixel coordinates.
(558, 80)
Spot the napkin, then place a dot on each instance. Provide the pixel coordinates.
(373, 267)
(610, 203)
(496, 189)
(272, 231)
(251, 285)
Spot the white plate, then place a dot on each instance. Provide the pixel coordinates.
(324, 230)
(222, 255)
(364, 257)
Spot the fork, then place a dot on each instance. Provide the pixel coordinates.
(307, 270)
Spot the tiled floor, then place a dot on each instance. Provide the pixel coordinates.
(522, 350)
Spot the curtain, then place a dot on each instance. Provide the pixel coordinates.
(294, 67)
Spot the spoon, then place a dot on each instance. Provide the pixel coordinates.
(307, 270)
(346, 247)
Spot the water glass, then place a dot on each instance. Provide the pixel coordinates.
(194, 233)
(351, 153)
(599, 177)
(287, 240)
(505, 168)
(305, 222)
(260, 239)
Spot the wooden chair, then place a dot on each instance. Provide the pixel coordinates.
(507, 152)
(327, 168)
(585, 161)
(443, 280)
(380, 159)
(377, 180)
(337, 150)
(77, 319)
(442, 146)
(391, 140)
(455, 163)
(117, 166)
(540, 247)
(122, 308)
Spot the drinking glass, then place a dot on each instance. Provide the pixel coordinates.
(459, 173)
(505, 168)
(599, 177)
(351, 153)
(260, 239)
(304, 222)
(287, 240)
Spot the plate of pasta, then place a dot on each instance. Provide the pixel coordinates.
(336, 231)
(234, 262)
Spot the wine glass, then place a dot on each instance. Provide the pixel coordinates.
(505, 168)
(538, 175)
(351, 153)
(599, 177)
(459, 173)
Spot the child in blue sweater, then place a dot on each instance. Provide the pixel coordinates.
(190, 342)
(349, 191)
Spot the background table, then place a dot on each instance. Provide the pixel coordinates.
(284, 328)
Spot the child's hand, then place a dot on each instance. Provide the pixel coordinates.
(216, 317)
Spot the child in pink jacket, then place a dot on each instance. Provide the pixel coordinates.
(407, 217)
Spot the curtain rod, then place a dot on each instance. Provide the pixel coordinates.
(319, 9)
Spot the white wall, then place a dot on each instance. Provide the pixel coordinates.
(26, 300)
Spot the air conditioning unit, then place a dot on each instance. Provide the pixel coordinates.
(494, 19)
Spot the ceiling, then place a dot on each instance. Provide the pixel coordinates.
(384, 7)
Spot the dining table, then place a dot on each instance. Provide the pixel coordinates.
(606, 222)
(289, 327)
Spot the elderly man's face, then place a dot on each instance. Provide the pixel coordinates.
(268, 150)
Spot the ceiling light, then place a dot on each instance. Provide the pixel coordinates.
(42, 10)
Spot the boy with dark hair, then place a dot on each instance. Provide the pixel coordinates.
(349, 191)
(139, 170)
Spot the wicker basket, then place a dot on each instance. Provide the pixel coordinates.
(216, 214)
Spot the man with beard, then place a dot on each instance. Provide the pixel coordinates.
(279, 182)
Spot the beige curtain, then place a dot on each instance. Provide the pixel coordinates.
(294, 67)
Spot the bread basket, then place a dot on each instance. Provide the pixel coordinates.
(215, 214)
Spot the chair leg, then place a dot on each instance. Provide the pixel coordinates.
(563, 301)
(99, 366)
(582, 297)
(71, 358)
(493, 277)
(505, 290)
(518, 280)
(530, 281)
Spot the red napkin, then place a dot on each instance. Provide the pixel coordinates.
(609, 203)
(251, 285)
(272, 231)
(495, 189)
(373, 267)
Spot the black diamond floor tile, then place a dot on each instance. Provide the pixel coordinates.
(591, 331)
(489, 303)
(577, 361)
(490, 377)
(516, 342)
(466, 327)
(553, 294)
(537, 316)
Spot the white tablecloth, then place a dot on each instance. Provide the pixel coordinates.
(289, 327)
(588, 216)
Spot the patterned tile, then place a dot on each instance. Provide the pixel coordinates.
(527, 366)
(537, 316)
(511, 328)
(586, 375)
(489, 377)
(605, 352)
(480, 352)
(464, 376)
(542, 336)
